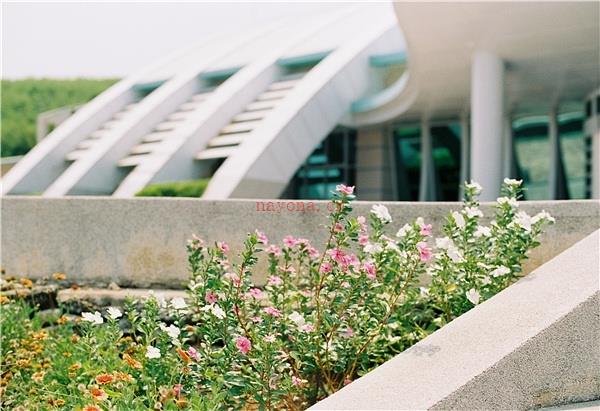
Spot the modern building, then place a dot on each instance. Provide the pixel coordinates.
(405, 101)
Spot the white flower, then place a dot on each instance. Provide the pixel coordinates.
(500, 271)
(454, 254)
(152, 352)
(444, 243)
(423, 291)
(382, 213)
(473, 296)
(474, 186)
(512, 182)
(482, 231)
(297, 318)
(371, 248)
(524, 220)
(473, 211)
(486, 280)
(391, 245)
(402, 232)
(178, 303)
(543, 215)
(458, 219)
(217, 311)
(172, 330)
(94, 318)
(510, 201)
(114, 313)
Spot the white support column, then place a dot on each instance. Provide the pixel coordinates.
(487, 117)
(427, 188)
(465, 146)
(593, 126)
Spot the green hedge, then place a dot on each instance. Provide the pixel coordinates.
(24, 100)
(192, 188)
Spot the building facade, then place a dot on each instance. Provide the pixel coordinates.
(404, 101)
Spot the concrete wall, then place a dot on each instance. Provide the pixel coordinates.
(533, 345)
(141, 242)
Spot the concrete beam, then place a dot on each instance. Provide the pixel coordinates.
(141, 242)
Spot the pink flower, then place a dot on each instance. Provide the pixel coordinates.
(347, 381)
(303, 241)
(346, 284)
(307, 328)
(255, 293)
(224, 264)
(371, 270)
(290, 241)
(256, 319)
(243, 344)
(211, 297)
(192, 352)
(363, 239)
(337, 255)
(296, 381)
(177, 389)
(344, 189)
(262, 238)
(313, 252)
(223, 246)
(306, 293)
(275, 280)
(426, 230)
(347, 333)
(424, 251)
(233, 277)
(270, 338)
(325, 268)
(274, 250)
(338, 228)
(350, 260)
(272, 311)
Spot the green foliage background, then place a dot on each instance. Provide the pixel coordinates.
(23, 100)
(192, 188)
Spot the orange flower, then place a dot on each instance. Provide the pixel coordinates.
(90, 407)
(98, 394)
(63, 319)
(38, 376)
(4, 299)
(40, 336)
(26, 282)
(181, 403)
(184, 356)
(74, 338)
(132, 362)
(104, 379)
(123, 376)
(75, 367)
(59, 276)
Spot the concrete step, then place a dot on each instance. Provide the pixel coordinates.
(214, 153)
(86, 144)
(166, 125)
(75, 154)
(109, 125)
(98, 134)
(283, 85)
(272, 95)
(190, 106)
(244, 127)
(200, 97)
(132, 160)
(250, 116)
(145, 148)
(228, 140)
(158, 136)
(261, 105)
(103, 297)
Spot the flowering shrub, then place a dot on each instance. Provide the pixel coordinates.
(323, 318)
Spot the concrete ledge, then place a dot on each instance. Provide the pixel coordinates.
(141, 242)
(533, 345)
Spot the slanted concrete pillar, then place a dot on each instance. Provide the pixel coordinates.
(487, 122)
(465, 146)
(427, 186)
(373, 165)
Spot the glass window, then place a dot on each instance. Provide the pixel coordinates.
(533, 156)
(330, 164)
(446, 158)
(407, 150)
(572, 143)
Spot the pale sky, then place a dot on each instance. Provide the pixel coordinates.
(115, 39)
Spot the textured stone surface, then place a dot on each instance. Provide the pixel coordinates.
(98, 297)
(141, 242)
(535, 344)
